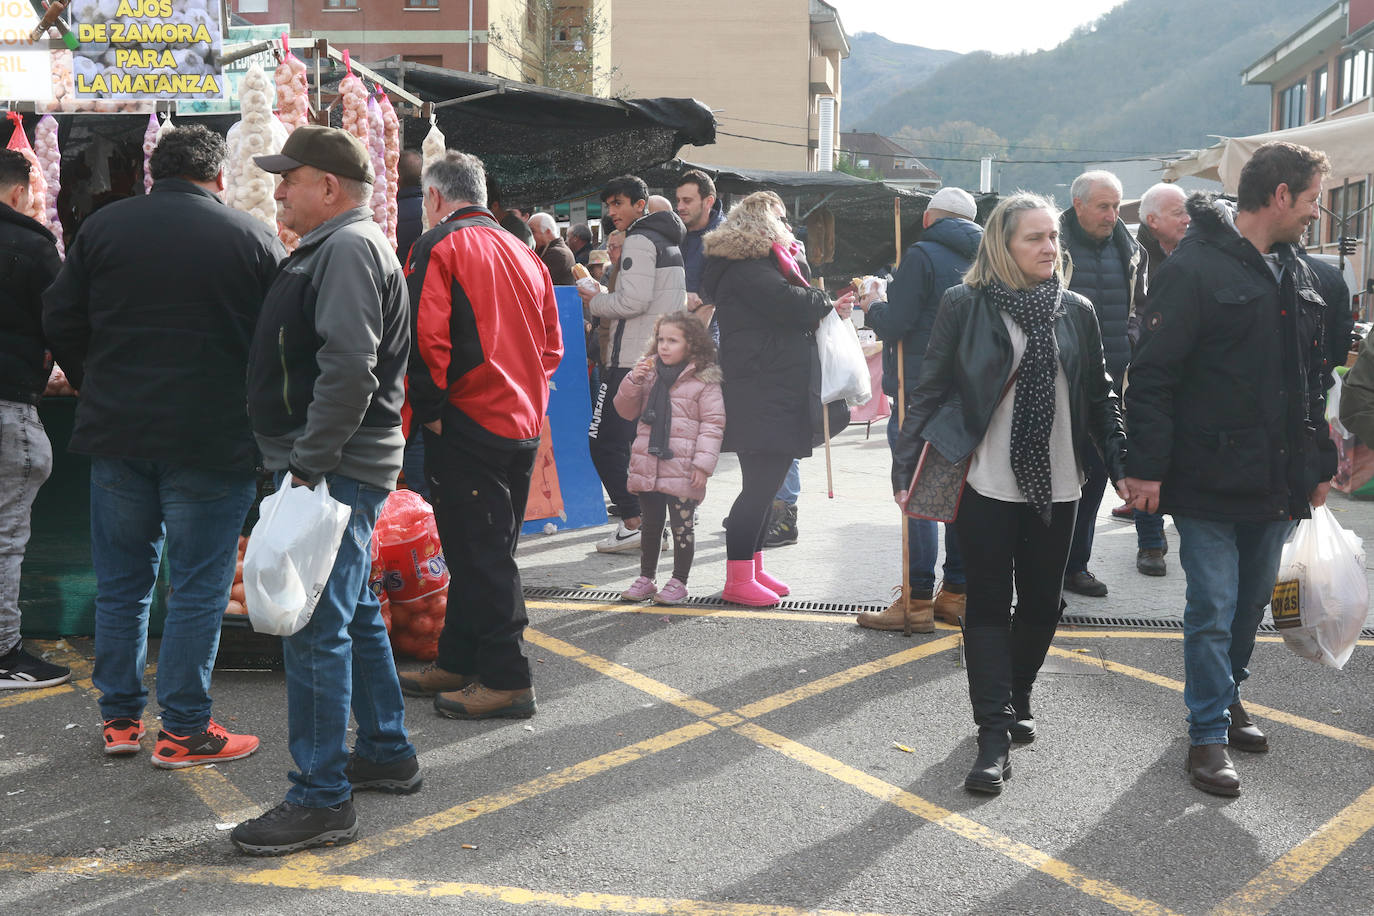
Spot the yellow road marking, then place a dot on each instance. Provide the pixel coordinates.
(1277, 715)
(81, 676)
(1297, 866)
(470, 810)
(221, 796)
(848, 676)
(18, 697)
(620, 673)
(957, 824)
(394, 887)
(573, 604)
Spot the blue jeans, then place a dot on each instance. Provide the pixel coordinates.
(923, 537)
(134, 504)
(1094, 485)
(1230, 567)
(790, 490)
(1149, 530)
(342, 659)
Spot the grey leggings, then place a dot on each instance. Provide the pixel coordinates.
(679, 514)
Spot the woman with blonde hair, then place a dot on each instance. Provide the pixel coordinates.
(1013, 381)
(767, 311)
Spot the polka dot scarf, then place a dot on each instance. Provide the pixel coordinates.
(1032, 415)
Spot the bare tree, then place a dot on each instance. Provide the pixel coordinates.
(562, 44)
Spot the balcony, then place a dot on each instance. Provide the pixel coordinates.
(822, 76)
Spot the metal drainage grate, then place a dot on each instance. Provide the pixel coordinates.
(836, 607)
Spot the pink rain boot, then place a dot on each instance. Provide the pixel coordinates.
(740, 587)
(767, 581)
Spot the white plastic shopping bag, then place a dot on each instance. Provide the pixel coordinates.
(844, 371)
(290, 555)
(1321, 596)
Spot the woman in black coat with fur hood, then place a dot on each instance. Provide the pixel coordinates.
(768, 313)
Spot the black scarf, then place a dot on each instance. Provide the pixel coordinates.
(658, 408)
(1032, 414)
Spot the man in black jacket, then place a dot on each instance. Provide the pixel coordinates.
(1226, 413)
(28, 263)
(948, 243)
(1102, 262)
(151, 318)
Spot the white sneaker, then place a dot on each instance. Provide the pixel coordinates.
(621, 540)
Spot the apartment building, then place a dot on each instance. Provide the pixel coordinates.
(770, 69)
(564, 43)
(1324, 72)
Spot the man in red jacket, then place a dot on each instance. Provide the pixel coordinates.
(485, 342)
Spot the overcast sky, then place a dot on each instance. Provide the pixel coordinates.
(1001, 26)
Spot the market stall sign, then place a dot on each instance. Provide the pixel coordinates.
(24, 64)
(148, 50)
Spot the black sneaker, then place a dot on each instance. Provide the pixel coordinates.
(291, 828)
(399, 778)
(21, 671)
(1085, 583)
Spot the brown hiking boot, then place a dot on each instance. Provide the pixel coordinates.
(431, 680)
(949, 607)
(477, 701)
(894, 618)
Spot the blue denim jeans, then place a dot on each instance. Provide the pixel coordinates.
(923, 538)
(1149, 530)
(342, 659)
(790, 491)
(1230, 567)
(134, 505)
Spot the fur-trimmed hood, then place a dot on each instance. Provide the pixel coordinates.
(734, 244)
(1213, 214)
(711, 375)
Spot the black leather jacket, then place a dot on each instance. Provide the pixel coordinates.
(967, 366)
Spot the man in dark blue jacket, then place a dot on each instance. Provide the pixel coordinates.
(1102, 262)
(28, 263)
(938, 261)
(696, 205)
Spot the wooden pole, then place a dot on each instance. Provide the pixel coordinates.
(825, 426)
(897, 234)
(906, 537)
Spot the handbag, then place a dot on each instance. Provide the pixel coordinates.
(938, 484)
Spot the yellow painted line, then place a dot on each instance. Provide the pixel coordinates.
(848, 676)
(220, 795)
(620, 673)
(1296, 867)
(19, 697)
(459, 814)
(573, 604)
(957, 824)
(1277, 715)
(81, 675)
(397, 887)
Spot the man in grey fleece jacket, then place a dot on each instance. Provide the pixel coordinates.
(325, 389)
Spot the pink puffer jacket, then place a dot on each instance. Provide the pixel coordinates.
(698, 427)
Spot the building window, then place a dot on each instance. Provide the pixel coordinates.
(1354, 76)
(341, 4)
(422, 4)
(253, 6)
(1352, 195)
(1319, 94)
(1293, 105)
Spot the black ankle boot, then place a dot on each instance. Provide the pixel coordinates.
(987, 653)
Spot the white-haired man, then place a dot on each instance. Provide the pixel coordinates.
(1102, 262)
(1164, 220)
(552, 250)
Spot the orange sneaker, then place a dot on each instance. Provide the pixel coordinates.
(213, 745)
(123, 736)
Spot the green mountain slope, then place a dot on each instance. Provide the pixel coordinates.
(878, 69)
(1150, 76)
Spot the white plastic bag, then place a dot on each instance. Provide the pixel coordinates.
(844, 371)
(290, 555)
(1321, 596)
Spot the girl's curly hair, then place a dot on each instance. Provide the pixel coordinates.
(701, 350)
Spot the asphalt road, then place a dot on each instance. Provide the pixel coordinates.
(740, 763)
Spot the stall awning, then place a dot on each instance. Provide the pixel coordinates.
(1347, 142)
(545, 144)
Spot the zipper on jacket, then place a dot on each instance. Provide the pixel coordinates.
(285, 377)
